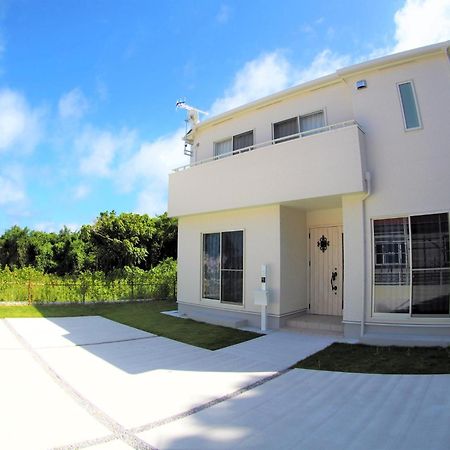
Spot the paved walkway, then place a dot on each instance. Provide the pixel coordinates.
(92, 383)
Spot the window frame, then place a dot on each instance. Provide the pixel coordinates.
(416, 104)
(219, 300)
(231, 138)
(410, 314)
(313, 131)
(299, 134)
(288, 137)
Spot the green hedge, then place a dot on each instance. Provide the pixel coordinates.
(31, 285)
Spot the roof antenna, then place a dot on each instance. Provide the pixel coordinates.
(192, 113)
(192, 118)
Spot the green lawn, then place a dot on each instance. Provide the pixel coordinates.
(386, 360)
(145, 316)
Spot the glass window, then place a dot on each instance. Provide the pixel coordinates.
(242, 140)
(391, 277)
(285, 130)
(223, 266)
(430, 264)
(223, 147)
(211, 266)
(412, 265)
(310, 123)
(234, 144)
(409, 105)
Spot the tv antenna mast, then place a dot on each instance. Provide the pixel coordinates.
(192, 118)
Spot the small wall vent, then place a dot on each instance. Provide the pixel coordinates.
(361, 84)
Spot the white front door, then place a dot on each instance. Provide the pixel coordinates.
(326, 271)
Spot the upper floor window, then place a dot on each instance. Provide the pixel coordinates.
(410, 109)
(311, 122)
(285, 130)
(290, 128)
(234, 144)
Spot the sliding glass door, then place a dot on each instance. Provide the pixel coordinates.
(411, 273)
(223, 266)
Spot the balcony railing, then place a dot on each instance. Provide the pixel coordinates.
(254, 147)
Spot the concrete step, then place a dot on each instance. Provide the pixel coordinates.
(317, 322)
(217, 320)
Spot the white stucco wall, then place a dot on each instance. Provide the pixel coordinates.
(261, 246)
(354, 242)
(294, 260)
(409, 169)
(409, 175)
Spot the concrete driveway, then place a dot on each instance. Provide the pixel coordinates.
(92, 383)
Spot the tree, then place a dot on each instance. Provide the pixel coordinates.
(112, 242)
(14, 247)
(165, 240)
(70, 253)
(119, 240)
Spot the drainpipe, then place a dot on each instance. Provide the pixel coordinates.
(367, 178)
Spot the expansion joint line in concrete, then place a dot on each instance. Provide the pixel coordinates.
(87, 344)
(209, 404)
(117, 430)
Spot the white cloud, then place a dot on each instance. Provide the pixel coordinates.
(99, 149)
(20, 125)
(273, 72)
(12, 189)
(148, 170)
(418, 23)
(73, 104)
(324, 63)
(152, 202)
(422, 22)
(81, 191)
(223, 16)
(262, 76)
(53, 227)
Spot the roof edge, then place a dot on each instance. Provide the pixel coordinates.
(338, 75)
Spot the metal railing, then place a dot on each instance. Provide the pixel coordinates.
(303, 134)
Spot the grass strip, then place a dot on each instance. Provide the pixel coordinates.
(144, 316)
(360, 358)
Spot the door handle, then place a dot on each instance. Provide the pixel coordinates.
(333, 278)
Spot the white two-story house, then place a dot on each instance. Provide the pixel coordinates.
(340, 186)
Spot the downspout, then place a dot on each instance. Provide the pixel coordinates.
(367, 178)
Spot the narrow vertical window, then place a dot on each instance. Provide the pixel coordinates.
(409, 105)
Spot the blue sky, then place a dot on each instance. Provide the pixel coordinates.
(88, 87)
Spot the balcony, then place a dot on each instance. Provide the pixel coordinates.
(324, 162)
